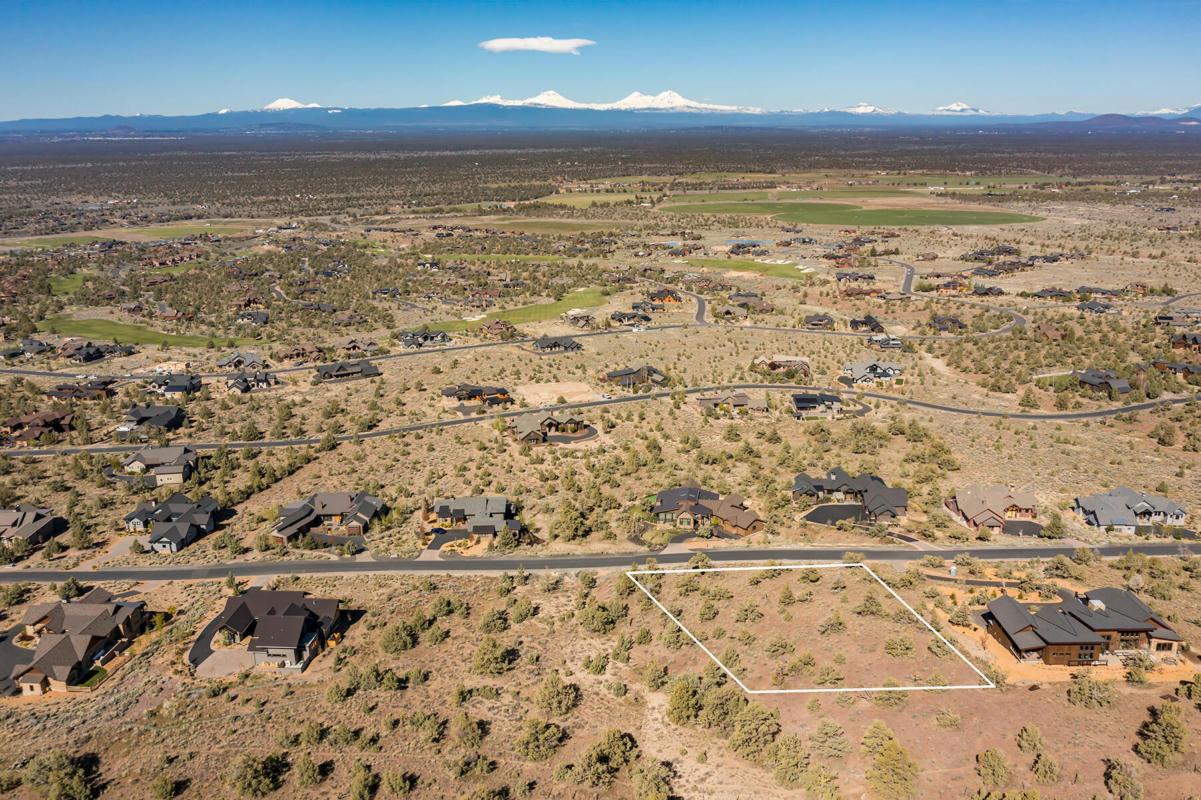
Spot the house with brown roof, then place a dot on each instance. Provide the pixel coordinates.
(31, 427)
(537, 427)
(690, 507)
(498, 329)
(1050, 332)
(992, 507)
(732, 402)
(778, 362)
(340, 513)
(74, 637)
(29, 524)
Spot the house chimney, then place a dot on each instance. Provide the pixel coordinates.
(1096, 605)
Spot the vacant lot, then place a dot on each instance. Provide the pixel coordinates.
(824, 629)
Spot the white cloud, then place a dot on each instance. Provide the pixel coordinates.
(543, 44)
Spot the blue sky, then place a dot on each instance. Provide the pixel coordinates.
(63, 58)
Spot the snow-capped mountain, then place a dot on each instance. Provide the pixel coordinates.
(961, 109)
(865, 108)
(1167, 112)
(287, 104)
(635, 101)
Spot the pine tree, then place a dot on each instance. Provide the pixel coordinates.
(1163, 736)
(893, 774)
(875, 737)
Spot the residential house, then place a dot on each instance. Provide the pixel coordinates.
(556, 344)
(1083, 629)
(579, 320)
(498, 329)
(162, 466)
(880, 501)
(819, 322)
(885, 341)
(664, 296)
(246, 382)
(861, 373)
(302, 352)
(173, 386)
(1054, 294)
(535, 428)
(142, 422)
(733, 402)
(359, 347)
(340, 513)
(647, 307)
(691, 507)
(28, 428)
(990, 507)
(1186, 341)
(635, 376)
(629, 318)
(241, 361)
(484, 395)
(1103, 380)
(1174, 319)
(284, 629)
(30, 524)
(478, 516)
(73, 637)
(421, 337)
(782, 363)
(868, 322)
(346, 370)
(257, 318)
(174, 523)
(807, 405)
(947, 324)
(1126, 511)
(1094, 307)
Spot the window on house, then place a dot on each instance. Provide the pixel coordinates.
(1130, 641)
(1163, 647)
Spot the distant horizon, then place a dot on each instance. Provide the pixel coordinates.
(862, 107)
(144, 57)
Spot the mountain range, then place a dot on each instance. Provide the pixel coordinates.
(551, 110)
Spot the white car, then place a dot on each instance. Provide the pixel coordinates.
(607, 396)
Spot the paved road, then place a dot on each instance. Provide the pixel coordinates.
(1065, 416)
(12, 658)
(509, 563)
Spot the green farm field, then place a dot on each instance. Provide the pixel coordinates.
(586, 298)
(124, 333)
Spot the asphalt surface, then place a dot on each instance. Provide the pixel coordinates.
(509, 563)
(12, 658)
(633, 398)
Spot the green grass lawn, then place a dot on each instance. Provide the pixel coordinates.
(52, 241)
(741, 265)
(123, 333)
(846, 214)
(69, 284)
(837, 191)
(94, 676)
(585, 199)
(586, 298)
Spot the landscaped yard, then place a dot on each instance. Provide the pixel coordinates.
(124, 333)
(585, 298)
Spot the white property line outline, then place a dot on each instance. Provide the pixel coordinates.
(988, 684)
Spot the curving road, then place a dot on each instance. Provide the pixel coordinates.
(511, 563)
(634, 398)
